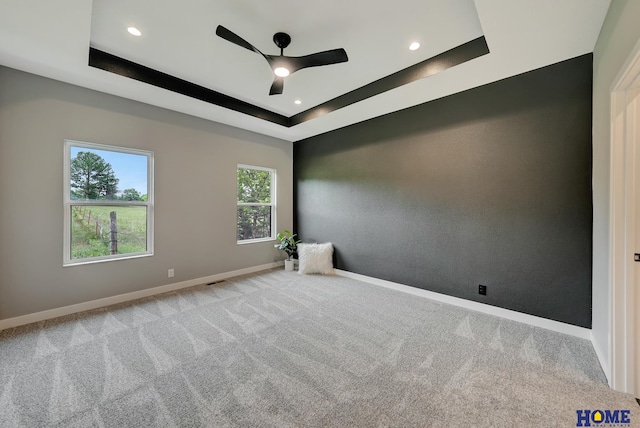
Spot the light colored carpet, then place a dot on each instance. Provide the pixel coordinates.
(278, 349)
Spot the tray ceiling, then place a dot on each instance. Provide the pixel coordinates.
(178, 39)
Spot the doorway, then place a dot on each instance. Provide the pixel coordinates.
(625, 228)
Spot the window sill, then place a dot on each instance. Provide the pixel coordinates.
(255, 241)
(103, 260)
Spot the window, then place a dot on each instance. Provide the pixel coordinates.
(108, 203)
(256, 203)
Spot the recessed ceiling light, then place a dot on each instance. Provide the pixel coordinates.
(298, 102)
(134, 31)
(413, 46)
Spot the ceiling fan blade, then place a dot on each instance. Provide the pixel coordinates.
(333, 56)
(277, 86)
(234, 38)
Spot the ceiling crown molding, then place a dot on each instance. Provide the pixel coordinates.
(436, 64)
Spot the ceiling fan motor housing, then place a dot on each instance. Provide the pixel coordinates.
(281, 40)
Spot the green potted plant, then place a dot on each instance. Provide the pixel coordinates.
(288, 244)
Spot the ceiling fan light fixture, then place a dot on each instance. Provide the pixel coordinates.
(283, 65)
(134, 31)
(281, 72)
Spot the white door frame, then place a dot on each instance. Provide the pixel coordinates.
(624, 171)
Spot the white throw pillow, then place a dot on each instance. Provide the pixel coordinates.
(315, 258)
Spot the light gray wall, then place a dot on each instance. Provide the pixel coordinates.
(618, 36)
(195, 185)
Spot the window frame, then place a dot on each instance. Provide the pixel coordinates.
(68, 203)
(273, 204)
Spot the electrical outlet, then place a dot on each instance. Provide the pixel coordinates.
(482, 289)
(171, 273)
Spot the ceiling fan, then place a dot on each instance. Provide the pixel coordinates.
(281, 65)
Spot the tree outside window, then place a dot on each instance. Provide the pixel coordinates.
(256, 203)
(92, 177)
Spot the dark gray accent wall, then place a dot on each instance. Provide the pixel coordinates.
(490, 186)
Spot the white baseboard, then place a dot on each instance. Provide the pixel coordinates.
(557, 326)
(560, 327)
(99, 303)
(604, 362)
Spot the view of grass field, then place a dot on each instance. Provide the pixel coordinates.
(90, 235)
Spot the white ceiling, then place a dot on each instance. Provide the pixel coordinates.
(52, 39)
